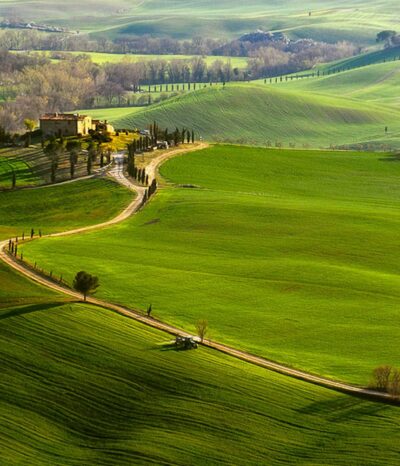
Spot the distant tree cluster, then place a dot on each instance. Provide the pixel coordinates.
(275, 60)
(389, 38)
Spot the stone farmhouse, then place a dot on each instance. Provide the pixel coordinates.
(71, 124)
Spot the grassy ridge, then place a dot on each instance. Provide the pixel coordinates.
(262, 251)
(59, 208)
(81, 385)
(364, 59)
(378, 83)
(254, 114)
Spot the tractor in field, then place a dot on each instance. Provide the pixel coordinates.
(185, 343)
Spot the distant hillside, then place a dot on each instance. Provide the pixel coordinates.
(365, 59)
(374, 83)
(256, 114)
(330, 20)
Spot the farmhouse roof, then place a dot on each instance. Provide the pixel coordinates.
(63, 116)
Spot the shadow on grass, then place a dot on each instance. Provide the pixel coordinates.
(172, 347)
(343, 408)
(391, 158)
(20, 311)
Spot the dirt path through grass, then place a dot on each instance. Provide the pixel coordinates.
(116, 172)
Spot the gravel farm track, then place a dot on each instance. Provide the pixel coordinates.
(117, 173)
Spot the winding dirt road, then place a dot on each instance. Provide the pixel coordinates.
(152, 169)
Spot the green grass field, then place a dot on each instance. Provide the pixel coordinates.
(102, 58)
(255, 113)
(377, 83)
(81, 385)
(58, 208)
(289, 254)
(364, 59)
(331, 20)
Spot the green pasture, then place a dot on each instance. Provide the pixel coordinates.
(288, 254)
(60, 208)
(81, 385)
(254, 114)
(364, 59)
(378, 83)
(102, 58)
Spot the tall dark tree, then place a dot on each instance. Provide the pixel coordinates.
(73, 147)
(54, 149)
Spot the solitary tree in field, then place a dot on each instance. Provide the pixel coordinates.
(85, 283)
(202, 328)
(149, 310)
(30, 125)
(381, 377)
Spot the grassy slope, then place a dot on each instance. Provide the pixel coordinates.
(253, 114)
(81, 385)
(290, 254)
(60, 208)
(333, 20)
(364, 59)
(378, 83)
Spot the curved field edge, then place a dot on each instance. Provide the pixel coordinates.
(263, 251)
(102, 389)
(59, 208)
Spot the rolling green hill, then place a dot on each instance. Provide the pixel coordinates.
(379, 83)
(331, 20)
(289, 254)
(254, 114)
(365, 59)
(81, 385)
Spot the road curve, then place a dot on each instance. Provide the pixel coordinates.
(117, 173)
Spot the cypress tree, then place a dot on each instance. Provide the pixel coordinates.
(192, 137)
(89, 165)
(13, 180)
(32, 233)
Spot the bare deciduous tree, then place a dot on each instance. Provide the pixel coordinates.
(381, 377)
(202, 328)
